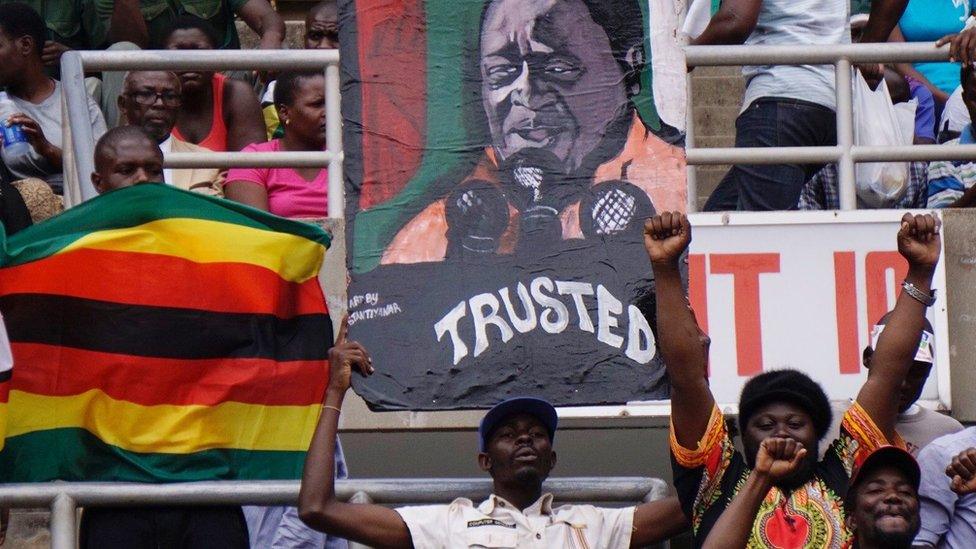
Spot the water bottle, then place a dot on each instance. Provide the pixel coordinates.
(14, 141)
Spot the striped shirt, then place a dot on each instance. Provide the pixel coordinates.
(949, 179)
(797, 22)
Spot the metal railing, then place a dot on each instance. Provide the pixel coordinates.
(64, 498)
(845, 153)
(75, 63)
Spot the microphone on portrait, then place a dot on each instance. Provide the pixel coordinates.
(477, 216)
(614, 208)
(540, 190)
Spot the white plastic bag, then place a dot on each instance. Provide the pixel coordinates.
(878, 122)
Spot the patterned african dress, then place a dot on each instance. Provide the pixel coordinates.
(811, 516)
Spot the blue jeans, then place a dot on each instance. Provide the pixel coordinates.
(773, 122)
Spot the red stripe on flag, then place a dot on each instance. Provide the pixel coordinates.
(63, 371)
(121, 277)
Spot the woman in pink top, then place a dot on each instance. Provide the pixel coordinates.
(300, 101)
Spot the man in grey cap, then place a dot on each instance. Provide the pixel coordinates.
(916, 424)
(516, 450)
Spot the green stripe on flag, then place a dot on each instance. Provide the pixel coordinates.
(644, 101)
(77, 455)
(135, 206)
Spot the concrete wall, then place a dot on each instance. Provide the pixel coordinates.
(716, 99)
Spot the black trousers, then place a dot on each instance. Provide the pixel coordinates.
(163, 528)
(773, 122)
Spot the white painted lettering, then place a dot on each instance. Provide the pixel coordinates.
(526, 324)
(638, 329)
(607, 306)
(449, 324)
(577, 290)
(555, 307)
(482, 320)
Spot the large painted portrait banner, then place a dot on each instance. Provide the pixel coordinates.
(501, 157)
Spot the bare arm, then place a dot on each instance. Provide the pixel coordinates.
(373, 525)
(967, 200)
(681, 341)
(731, 24)
(907, 69)
(919, 243)
(247, 192)
(242, 111)
(884, 16)
(656, 521)
(265, 21)
(127, 24)
(777, 458)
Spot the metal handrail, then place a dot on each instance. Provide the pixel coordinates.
(75, 63)
(65, 498)
(845, 154)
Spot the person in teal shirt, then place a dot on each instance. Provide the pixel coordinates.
(928, 21)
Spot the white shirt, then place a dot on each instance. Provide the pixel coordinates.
(955, 115)
(167, 146)
(798, 23)
(496, 523)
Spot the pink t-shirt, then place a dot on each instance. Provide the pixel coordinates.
(289, 195)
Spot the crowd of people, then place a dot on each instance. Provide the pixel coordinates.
(891, 474)
(794, 105)
(866, 490)
(188, 111)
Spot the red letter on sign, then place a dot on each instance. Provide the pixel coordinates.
(698, 291)
(745, 270)
(876, 265)
(845, 289)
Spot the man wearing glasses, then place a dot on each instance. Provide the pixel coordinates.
(151, 100)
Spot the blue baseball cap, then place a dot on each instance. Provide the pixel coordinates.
(536, 407)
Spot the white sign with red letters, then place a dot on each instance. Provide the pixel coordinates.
(796, 290)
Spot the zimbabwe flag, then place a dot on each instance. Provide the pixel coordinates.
(161, 335)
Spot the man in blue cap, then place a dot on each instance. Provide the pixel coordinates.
(516, 450)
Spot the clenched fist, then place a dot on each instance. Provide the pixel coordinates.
(962, 471)
(666, 237)
(778, 458)
(919, 241)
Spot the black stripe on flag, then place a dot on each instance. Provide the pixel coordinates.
(164, 332)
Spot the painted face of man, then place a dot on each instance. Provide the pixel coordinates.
(549, 78)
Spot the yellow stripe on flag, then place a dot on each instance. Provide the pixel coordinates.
(204, 241)
(3, 424)
(166, 428)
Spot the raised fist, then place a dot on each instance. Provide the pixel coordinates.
(666, 237)
(962, 471)
(778, 458)
(919, 241)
